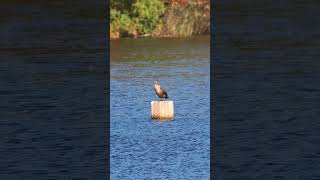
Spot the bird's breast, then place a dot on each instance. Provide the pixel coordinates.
(157, 88)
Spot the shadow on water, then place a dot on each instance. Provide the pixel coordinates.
(142, 148)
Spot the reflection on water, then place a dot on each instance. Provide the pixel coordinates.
(145, 149)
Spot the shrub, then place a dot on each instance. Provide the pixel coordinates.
(119, 21)
(147, 13)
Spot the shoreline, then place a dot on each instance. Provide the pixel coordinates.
(151, 36)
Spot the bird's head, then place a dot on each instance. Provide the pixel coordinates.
(155, 82)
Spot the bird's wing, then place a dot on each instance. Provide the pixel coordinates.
(164, 91)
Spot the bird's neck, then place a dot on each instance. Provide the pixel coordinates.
(157, 86)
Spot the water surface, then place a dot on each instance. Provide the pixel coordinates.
(141, 148)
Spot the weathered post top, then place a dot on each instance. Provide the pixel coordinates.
(162, 110)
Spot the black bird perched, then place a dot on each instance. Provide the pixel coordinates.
(159, 90)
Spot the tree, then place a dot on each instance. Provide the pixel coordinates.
(147, 14)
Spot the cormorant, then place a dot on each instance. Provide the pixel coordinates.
(159, 90)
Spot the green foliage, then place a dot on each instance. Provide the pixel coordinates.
(147, 14)
(119, 21)
(143, 14)
(114, 25)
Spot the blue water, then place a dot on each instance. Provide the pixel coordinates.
(141, 148)
(267, 92)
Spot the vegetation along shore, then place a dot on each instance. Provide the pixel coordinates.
(159, 18)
